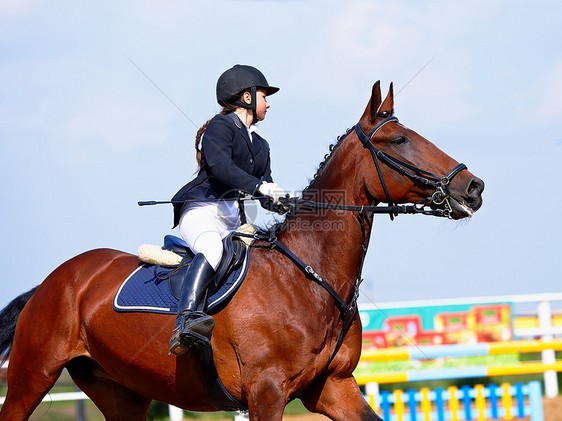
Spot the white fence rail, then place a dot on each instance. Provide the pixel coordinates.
(57, 397)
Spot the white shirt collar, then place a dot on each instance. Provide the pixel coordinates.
(251, 129)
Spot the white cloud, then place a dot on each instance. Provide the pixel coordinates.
(439, 96)
(392, 42)
(14, 9)
(396, 31)
(544, 99)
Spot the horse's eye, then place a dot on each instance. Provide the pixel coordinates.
(400, 140)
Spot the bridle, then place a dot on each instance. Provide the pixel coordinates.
(440, 184)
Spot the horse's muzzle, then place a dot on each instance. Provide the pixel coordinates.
(464, 204)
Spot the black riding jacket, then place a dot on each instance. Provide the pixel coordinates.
(231, 163)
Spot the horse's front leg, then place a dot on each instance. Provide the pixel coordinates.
(339, 398)
(266, 396)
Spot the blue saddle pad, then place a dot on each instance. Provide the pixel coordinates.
(143, 292)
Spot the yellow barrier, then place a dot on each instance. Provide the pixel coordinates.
(506, 401)
(480, 401)
(451, 372)
(426, 404)
(523, 368)
(492, 348)
(453, 403)
(399, 405)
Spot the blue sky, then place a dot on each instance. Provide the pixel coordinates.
(84, 135)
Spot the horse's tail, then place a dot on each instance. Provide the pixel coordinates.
(8, 319)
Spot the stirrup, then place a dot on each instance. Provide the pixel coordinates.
(190, 338)
(181, 342)
(198, 322)
(176, 347)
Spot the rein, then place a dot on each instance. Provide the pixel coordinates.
(417, 208)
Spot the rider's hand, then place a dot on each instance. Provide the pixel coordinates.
(272, 191)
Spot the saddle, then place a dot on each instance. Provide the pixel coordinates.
(234, 250)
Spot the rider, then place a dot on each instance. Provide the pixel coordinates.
(233, 161)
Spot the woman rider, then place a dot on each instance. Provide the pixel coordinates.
(234, 160)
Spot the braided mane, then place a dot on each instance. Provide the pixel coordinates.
(327, 157)
(280, 225)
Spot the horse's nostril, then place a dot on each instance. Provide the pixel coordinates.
(475, 188)
(474, 193)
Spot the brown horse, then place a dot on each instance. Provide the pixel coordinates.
(273, 341)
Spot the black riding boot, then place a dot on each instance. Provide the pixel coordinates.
(193, 326)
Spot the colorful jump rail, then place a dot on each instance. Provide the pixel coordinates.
(437, 351)
(467, 403)
(424, 352)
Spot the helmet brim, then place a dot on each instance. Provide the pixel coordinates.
(269, 90)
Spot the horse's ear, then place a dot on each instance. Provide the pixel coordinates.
(374, 103)
(387, 107)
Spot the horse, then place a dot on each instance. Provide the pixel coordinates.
(275, 340)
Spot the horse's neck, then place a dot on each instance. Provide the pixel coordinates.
(331, 241)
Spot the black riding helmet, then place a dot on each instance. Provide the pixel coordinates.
(238, 79)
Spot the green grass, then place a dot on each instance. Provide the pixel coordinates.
(159, 412)
(65, 411)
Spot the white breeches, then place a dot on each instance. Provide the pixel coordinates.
(203, 225)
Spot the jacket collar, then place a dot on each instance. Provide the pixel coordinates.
(254, 146)
(235, 119)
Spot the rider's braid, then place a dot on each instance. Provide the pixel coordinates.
(228, 108)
